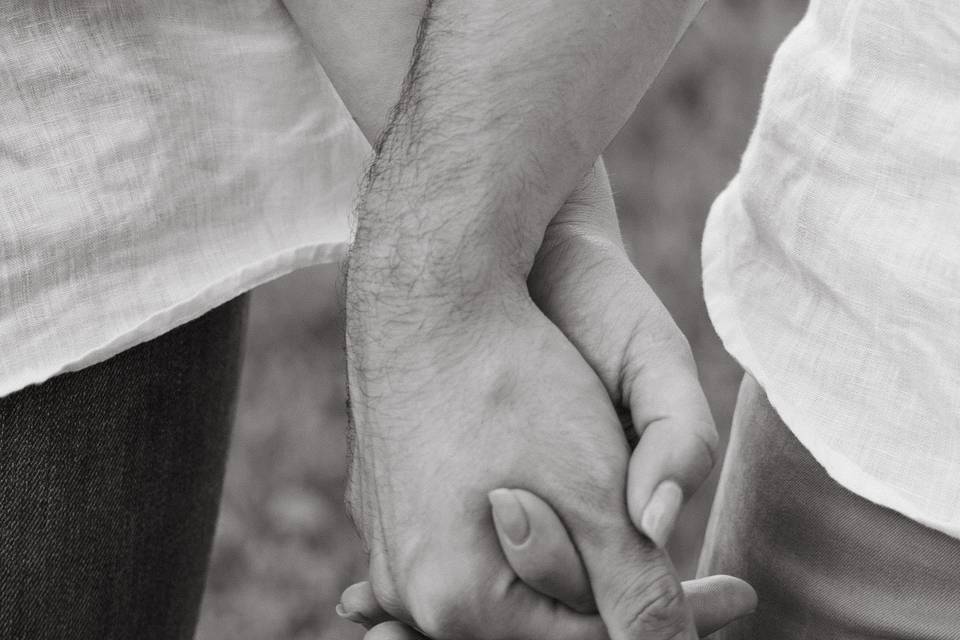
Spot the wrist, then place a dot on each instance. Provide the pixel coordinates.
(424, 242)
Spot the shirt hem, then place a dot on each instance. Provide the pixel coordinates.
(723, 312)
(187, 309)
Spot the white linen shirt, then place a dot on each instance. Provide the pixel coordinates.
(157, 158)
(832, 260)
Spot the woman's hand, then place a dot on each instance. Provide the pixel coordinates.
(584, 282)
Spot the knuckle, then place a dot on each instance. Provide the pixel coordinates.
(652, 606)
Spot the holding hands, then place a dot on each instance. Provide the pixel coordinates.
(547, 561)
(527, 401)
(494, 343)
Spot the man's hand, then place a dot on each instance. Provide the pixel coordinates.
(583, 277)
(459, 383)
(584, 282)
(615, 320)
(545, 558)
(445, 413)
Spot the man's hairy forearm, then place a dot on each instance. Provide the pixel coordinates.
(506, 106)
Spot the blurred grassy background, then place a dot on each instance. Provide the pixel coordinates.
(284, 548)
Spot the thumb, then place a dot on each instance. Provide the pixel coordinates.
(539, 549)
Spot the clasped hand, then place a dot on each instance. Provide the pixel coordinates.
(519, 389)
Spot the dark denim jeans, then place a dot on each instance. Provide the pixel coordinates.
(109, 483)
(826, 563)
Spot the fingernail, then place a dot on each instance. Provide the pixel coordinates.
(510, 516)
(350, 615)
(661, 512)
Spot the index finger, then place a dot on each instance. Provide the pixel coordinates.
(678, 442)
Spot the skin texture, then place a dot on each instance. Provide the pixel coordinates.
(547, 560)
(438, 291)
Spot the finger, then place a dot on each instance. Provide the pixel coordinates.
(546, 560)
(452, 601)
(640, 355)
(523, 605)
(393, 631)
(538, 548)
(529, 614)
(718, 600)
(637, 590)
(678, 442)
(359, 604)
(510, 608)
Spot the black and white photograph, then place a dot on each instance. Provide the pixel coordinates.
(479, 319)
